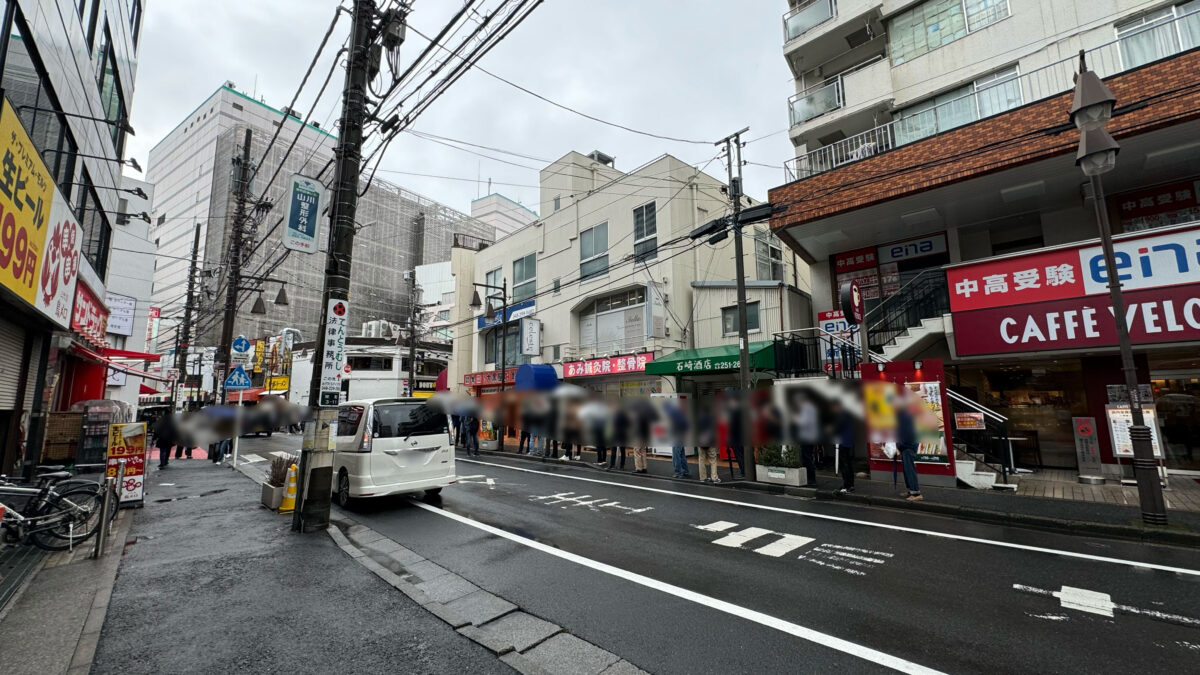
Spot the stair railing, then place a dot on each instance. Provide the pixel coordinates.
(924, 297)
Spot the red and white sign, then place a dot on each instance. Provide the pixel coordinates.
(90, 316)
(615, 365)
(1144, 260)
(60, 263)
(128, 442)
(489, 377)
(1153, 315)
(858, 259)
(1160, 205)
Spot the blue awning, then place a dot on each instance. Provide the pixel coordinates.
(536, 377)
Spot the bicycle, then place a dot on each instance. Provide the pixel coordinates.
(51, 519)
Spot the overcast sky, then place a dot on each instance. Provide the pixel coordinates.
(694, 69)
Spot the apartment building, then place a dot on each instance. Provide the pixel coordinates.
(611, 279)
(935, 159)
(502, 213)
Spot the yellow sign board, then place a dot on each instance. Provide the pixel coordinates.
(26, 194)
(278, 383)
(260, 349)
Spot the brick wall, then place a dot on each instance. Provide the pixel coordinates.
(1027, 134)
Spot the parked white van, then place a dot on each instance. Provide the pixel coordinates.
(388, 446)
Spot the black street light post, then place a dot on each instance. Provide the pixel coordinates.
(1090, 111)
(489, 314)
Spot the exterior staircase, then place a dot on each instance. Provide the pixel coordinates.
(915, 339)
(979, 475)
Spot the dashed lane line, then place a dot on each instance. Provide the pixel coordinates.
(855, 521)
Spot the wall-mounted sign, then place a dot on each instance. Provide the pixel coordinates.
(305, 199)
(1120, 419)
(970, 421)
(89, 317)
(120, 313)
(489, 377)
(929, 245)
(852, 302)
(26, 193)
(614, 365)
(531, 337)
(60, 263)
(278, 383)
(333, 361)
(1159, 206)
(516, 311)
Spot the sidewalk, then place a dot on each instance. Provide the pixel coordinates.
(212, 582)
(1082, 516)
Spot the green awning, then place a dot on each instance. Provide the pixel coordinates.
(712, 360)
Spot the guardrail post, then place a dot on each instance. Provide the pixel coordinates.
(105, 509)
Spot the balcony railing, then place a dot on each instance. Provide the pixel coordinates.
(1120, 55)
(816, 101)
(806, 16)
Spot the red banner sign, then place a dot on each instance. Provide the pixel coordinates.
(1141, 206)
(89, 317)
(858, 259)
(633, 363)
(1155, 315)
(489, 377)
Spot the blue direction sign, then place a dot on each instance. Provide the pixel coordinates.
(237, 380)
(241, 344)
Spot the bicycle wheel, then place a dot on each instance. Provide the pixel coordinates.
(70, 518)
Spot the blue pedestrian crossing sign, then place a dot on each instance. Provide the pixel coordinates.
(237, 380)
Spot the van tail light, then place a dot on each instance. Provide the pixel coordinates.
(366, 441)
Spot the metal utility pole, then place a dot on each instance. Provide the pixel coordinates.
(184, 332)
(413, 294)
(733, 153)
(234, 278)
(314, 482)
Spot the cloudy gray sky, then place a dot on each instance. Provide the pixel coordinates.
(694, 69)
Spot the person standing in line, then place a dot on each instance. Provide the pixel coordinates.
(844, 432)
(456, 429)
(471, 429)
(552, 427)
(594, 416)
(621, 432)
(644, 418)
(808, 432)
(679, 428)
(706, 441)
(907, 443)
(735, 441)
(525, 442)
(165, 437)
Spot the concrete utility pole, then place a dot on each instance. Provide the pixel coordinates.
(314, 482)
(184, 332)
(733, 153)
(414, 293)
(234, 278)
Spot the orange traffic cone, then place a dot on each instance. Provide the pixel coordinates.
(289, 496)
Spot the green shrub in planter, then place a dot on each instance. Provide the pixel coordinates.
(277, 475)
(775, 455)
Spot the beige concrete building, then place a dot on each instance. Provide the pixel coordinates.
(613, 279)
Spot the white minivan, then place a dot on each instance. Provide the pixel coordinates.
(388, 446)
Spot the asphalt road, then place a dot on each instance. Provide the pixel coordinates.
(681, 577)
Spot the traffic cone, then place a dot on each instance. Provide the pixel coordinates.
(289, 496)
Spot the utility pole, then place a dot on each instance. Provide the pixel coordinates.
(314, 482)
(414, 312)
(233, 281)
(184, 332)
(733, 153)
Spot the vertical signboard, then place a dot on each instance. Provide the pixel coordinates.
(128, 442)
(1087, 448)
(531, 337)
(60, 263)
(260, 350)
(333, 360)
(305, 197)
(26, 193)
(120, 313)
(1119, 421)
(89, 317)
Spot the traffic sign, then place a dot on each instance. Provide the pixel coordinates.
(237, 380)
(240, 353)
(172, 374)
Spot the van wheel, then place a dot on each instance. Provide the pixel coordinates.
(433, 492)
(343, 490)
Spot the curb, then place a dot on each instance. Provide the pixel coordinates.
(1155, 535)
(477, 628)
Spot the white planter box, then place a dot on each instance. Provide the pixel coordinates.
(272, 496)
(779, 475)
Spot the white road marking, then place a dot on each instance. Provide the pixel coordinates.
(491, 483)
(568, 499)
(462, 478)
(1095, 602)
(1049, 617)
(736, 539)
(249, 459)
(855, 556)
(868, 551)
(802, 632)
(867, 523)
(282, 453)
(719, 526)
(789, 543)
(835, 566)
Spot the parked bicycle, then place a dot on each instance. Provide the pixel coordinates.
(56, 513)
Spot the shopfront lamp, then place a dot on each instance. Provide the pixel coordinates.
(281, 299)
(918, 364)
(1093, 103)
(1097, 152)
(879, 366)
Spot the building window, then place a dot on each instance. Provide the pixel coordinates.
(556, 352)
(443, 315)
(135, 19)
(935, 23)
(557, 203)
(557, 285)
(495, 279)
(374, 363)
(493, 340)
(96, 230)
(645, 233)
(112, 101)
(1157, 35)
(768, 254)
(524, 277)
(989, 95)
(89, 14)
(729, 319)
(27, 87)
(593, 251)
(614, 323)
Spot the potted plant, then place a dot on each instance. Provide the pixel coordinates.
(276, 482)
(774, 464)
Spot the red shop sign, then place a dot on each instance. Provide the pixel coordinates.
(615, 365)
(89, 317)
(1154, 315)
(1158, 199)
(858, 259)
(489, 377)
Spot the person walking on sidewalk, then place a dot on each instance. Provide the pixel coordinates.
(706, 441)
(844, 433)
(471, 430)
(166, 435)
(907, 443)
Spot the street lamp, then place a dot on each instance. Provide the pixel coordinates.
(1090, 111)
(489, 315)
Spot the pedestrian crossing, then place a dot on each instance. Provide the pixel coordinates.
(850, 560)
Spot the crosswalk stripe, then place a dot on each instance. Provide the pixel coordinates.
(787, 544)
(736, 539)
(252, 458)
(719, 526)
(281, 453)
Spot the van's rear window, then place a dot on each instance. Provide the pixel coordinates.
(396, 420)
(348, 418)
